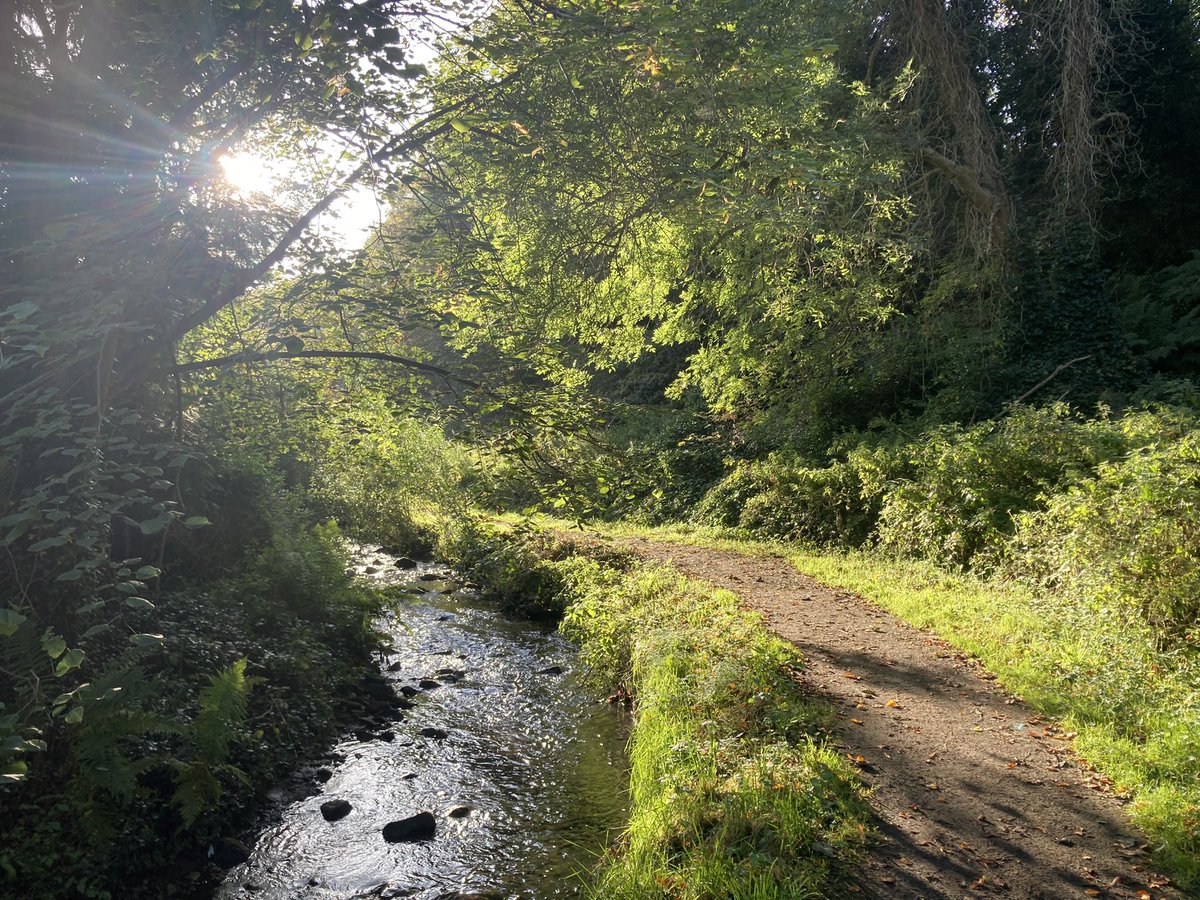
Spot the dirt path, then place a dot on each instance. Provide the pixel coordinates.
(976, 794)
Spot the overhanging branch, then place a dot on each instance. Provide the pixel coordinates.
(269, 356)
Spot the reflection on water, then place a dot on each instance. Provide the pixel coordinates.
(527, 786)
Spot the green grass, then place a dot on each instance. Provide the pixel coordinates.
(1134, 706)
(731, 797)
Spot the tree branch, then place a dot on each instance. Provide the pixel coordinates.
(965, 180)
(235, 359)
(1045, 381)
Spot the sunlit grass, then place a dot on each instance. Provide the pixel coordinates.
(731, 796)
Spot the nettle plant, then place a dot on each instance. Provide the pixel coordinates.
(79, 490)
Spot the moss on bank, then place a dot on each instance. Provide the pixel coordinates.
(732, 793)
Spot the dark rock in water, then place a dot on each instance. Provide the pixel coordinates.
(323, 775)
(461, 812)
(457, 673)
(228, 852)
(420, 827)
(448, 678)
(405, 563)
(378, 690)
(364, 734)
(445, 617)
(438, 734)
(351, 572)
(550, 670)
(430, 576)
(396, 666)
(387, 736)
(408, 776)
(409, 691)
(447, 590)
(333, 810)
(405, 704)
(428, 684)
(371, 570)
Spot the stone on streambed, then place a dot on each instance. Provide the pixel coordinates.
(323, 775)
(333, 810)
(396, 666)
(460, 812)
(429, 576)
(228, 852)
(405, 563)
(371, 570)
(438, 734)
(409, 691)
(428, 684)
(420, 827)
(550, 670)
(379, 690)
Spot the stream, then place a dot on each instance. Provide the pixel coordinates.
(520, 765)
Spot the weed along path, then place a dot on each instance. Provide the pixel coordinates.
(976, 795)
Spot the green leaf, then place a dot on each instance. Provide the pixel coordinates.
(146, 572)
(72, 660)
(196, 521)
(54, 645)
(155, 525)
(10, 621)
(48, 543)
(138, 603)
(460, 126)
(146, 641)
(74, 716)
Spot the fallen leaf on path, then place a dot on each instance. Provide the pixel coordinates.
(857, 721)
(853, 676)
(892, 704)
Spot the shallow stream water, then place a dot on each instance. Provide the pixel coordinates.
(526, 788)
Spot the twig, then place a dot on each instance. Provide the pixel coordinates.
(1045, 381)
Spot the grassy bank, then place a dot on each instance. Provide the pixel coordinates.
(1133, 703)
(732, 793)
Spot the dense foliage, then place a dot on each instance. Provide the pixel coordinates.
(895, 274)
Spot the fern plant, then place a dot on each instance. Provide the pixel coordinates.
(211, 735)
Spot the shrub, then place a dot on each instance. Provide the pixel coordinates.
(1127, 540)
(966, 485)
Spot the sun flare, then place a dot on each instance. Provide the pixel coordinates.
(247, 173)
